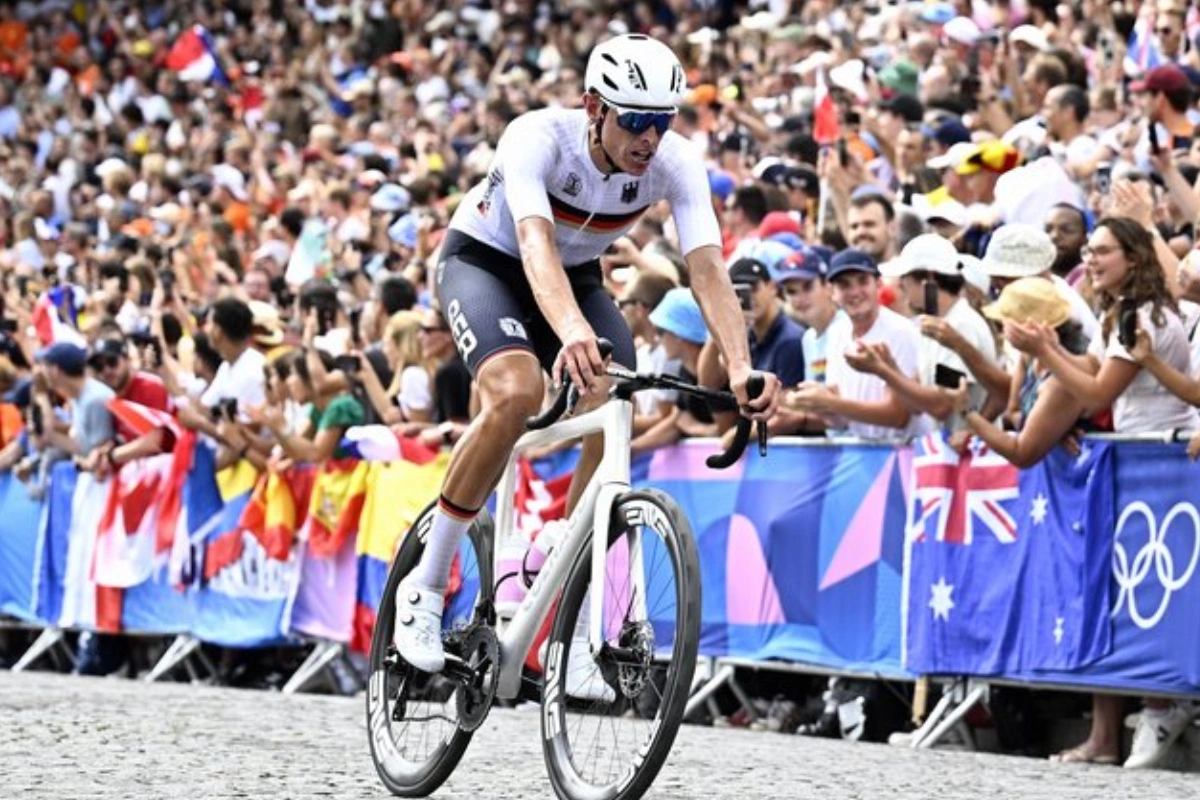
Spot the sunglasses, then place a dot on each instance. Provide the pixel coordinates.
(1164, 31)
(628, 302)
(638, 122)
(106, 362)
(433, 329)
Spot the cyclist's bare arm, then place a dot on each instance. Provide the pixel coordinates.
(714, 292)
(552, 291)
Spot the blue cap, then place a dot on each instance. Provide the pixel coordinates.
(852, 261)
(939, 13)
(404, 231)
(804, 264)
(70, 358)
(720, 183)
(679, 314)
(948, 132)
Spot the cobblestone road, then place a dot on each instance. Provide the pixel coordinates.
(68, 737)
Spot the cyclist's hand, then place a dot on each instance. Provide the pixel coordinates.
(761, 407)
(580, 358)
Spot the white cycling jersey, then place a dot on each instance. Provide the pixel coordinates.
(542, 168)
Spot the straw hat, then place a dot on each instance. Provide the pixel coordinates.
(1030, 300)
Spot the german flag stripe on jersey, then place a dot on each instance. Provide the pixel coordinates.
(572, 217)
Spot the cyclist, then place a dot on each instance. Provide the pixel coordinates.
(519, 283)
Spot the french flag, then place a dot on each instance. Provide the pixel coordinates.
(55, 316)
(1142, 52)
(381, 443)
(194, 57)
(826, 129)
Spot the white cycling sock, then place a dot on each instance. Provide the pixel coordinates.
(450, 522)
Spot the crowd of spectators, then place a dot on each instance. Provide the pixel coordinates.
(974, 216)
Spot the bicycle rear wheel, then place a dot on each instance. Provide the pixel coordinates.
(412, 717)
(608, 722)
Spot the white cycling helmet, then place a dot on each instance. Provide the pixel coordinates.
(636, 73)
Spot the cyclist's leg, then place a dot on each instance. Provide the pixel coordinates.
(608, 323)
(501, 357)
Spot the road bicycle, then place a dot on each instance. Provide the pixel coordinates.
(617, 666)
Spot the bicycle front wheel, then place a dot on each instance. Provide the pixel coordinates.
(609, 720)
(412, 717)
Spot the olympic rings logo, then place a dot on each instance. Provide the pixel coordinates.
(1129, 576)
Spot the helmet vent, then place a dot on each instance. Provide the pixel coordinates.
(608, 57)
(636, 77)
(611, 84)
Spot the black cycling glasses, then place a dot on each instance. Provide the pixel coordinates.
(638, 122)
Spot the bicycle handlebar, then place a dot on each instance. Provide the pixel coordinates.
(631, 382)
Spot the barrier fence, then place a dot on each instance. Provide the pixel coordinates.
(868, 559)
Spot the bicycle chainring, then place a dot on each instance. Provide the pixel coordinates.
(481, 653)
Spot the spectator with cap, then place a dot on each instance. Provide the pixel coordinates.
(110, 362)
(853, 401)
(91, 426)
(803, 279)
(682, 333)
(956, 345)
(1163, 96)
(775, 339)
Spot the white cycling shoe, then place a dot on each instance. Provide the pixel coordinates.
(418, 631)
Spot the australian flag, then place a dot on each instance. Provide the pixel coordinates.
(1008, 569)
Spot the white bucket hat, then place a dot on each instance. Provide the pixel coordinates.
(1019, 251)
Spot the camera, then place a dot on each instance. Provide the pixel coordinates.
(225, 408)
(144, 339)
(1104, 177)
(1127, 326)
(931, 298)
(349, 364)
(744, 291)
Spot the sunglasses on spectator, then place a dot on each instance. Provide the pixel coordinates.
(638, 122)
(107, 362)
(433, 328)
(629, 301)
(1167, 31)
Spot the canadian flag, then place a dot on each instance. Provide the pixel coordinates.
(826, 129)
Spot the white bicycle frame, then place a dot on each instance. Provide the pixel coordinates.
(614, 419)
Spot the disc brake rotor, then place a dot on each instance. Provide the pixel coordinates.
(481, 653)
(638, 637)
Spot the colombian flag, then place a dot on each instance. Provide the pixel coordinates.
(398, 492)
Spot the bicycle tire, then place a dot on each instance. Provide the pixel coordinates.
(422, 777)
(655, 511)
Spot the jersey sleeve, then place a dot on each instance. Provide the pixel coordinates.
(525, 154)
(691, 200)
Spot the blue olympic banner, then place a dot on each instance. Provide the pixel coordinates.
(1154, 585)
(1081, 571)
(800, 553)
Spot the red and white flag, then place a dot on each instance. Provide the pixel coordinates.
(826, 129)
